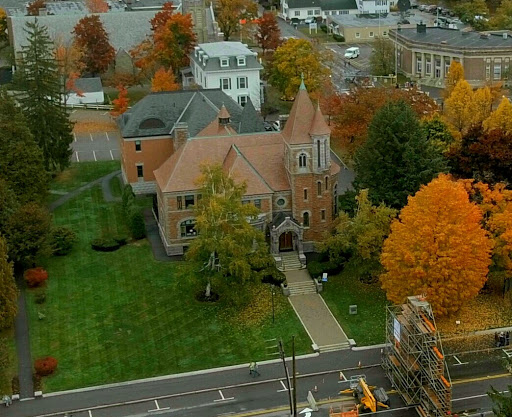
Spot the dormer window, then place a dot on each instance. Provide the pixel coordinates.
(224, 62)
(240, 61)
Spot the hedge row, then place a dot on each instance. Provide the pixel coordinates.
(133, 214)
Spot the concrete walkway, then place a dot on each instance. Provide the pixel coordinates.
(315, 316)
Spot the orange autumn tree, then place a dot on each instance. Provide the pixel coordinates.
(164, 81)
(437, 247)
(3, 27)
(121, 102)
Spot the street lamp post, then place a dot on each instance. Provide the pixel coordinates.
(396, 51)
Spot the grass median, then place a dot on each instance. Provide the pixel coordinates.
(122, 315)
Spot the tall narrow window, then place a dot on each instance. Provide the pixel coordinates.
(302, 160)
(322, 213)
(179, 202)
(305, 219)
(319, 188)
(318, 152)
(305, 193)
(138, 146)
(326, 183)
(140, 171)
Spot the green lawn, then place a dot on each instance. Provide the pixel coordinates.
(122, 315)
(81, 173)
(116, 186)
(367, 327)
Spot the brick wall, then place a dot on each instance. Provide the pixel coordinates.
(154, 152)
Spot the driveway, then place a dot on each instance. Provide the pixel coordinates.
(99, 146)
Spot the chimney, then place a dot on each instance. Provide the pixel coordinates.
(421, 28)
(180, 135)
(505, 35)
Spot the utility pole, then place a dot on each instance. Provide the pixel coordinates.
(281, 352)
(294, 376)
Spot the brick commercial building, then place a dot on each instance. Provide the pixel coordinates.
(425, 54)
(154, 128)
(289, 176)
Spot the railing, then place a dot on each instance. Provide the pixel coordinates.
(90, 106)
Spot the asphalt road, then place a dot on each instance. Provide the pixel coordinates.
(233, 391)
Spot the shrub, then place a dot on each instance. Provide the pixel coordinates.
(62, 240)
(323, 28)
(121, 240)
(40, 298)
(316, 269)
(272, 275)
(105, 245)
(127, 197)
(137, 225)
(338, 38)
(35, 276)
(45, 366)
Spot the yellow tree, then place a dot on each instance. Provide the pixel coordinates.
(437, 247)
(455, 74)
(457, 107)
(164, 81)
(501, 118)
(68, 56)
(294, 59)
(230, 14)
(480, 106)
(3, 27)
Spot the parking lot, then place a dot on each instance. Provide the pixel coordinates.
(99, 146)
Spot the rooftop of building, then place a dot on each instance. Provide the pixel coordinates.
(323, 4)
(222, 49)
(89, 85)
(158, 113)
(456, 38)
(373, 20)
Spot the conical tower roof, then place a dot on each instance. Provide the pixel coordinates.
(223, 113)
(301, 115)
(319, 126)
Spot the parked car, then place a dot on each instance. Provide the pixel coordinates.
(352, 52)
(310, 20)
(267, 126)
(276, 126)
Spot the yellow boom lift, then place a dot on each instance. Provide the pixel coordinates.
(369, 398)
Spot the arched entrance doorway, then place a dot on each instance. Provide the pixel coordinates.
(286, 241)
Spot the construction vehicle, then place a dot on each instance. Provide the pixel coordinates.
(343, 412)
(368, 398)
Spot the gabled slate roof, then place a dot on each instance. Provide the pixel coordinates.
(196, 108)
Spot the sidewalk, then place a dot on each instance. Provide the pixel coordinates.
(315, 316)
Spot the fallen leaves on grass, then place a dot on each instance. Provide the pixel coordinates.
(96, 126)
(486, 311)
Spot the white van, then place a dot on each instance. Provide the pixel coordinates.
(352, 52)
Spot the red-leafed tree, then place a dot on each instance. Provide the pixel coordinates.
(162, 16)
(33, 8)
(268, 35)
(97, 6)
(358, 108)
(164, 81)
(169, 46)
(92, 39)
(121, 102)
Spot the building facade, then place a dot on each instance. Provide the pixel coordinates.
(289, 175)
(230, 66)
(154, 128)
(425, 54)
(302, 9)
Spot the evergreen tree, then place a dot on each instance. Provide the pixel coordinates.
(397, 158)
(8, 289)
(21, 159)
(40, 97)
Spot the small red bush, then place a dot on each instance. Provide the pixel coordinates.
(35, 276)
(45, 366)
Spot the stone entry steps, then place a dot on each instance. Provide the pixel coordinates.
(333, 348)
(290, 261)
(300, 288)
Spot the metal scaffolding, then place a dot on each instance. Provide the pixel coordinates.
(414, 360)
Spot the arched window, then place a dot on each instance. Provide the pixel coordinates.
(152, 123)
(302, 160)
(305, 219)
(187, 228)
(319, 188)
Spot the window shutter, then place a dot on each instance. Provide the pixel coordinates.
(238, 83)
